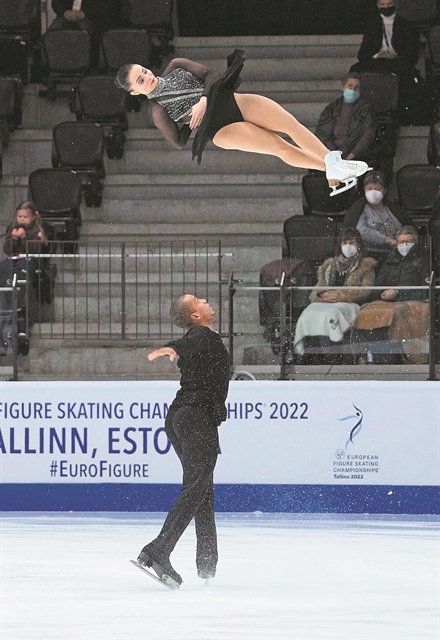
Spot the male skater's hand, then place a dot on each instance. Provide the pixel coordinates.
(164, 351)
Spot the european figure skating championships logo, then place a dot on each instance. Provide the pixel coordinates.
(356, 429)
(354, 466)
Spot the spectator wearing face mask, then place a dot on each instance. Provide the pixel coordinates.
(349, 123)
(406, 265)
(390, 43)
(403, 312)
(333, 309)
(376, 219)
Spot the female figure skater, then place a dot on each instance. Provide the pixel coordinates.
(190, 96)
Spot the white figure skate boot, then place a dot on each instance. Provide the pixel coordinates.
(346, 171)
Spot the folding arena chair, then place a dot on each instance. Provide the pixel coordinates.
(79, 146)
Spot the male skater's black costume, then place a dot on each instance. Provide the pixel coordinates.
(191, 425)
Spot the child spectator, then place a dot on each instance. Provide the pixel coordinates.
(25, 228)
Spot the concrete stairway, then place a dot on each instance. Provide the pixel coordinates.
(157, 192)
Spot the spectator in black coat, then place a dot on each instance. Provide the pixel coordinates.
(390, 43)
(407, 265)
(402, 313)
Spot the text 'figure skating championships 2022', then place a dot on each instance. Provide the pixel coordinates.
(190, 96)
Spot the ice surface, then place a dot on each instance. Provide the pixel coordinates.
(280, 576)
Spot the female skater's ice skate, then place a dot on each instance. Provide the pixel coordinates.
(345, 171)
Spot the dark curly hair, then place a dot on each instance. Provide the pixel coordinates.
(349, 233)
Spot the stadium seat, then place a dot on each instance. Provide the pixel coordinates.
(80, 146)
(125, 46)
(317, 200)
(67, 55)
(418, 187)
(57, 196)
(99, 100)
(309, 238)
(155, 17)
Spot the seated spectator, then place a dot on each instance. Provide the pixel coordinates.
(333, 310)
(25, 228)
(376, 219)
(24, 235)
(404, 313)
(390, 43)
(349, 122)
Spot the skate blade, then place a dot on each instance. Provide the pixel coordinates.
(347, 184)
(167, 582)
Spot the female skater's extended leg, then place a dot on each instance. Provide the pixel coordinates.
(246, 136)
(264, 115)
(268, 114)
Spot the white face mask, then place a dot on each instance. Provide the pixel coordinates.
(349, 250)
(405, 247)
(374, 196)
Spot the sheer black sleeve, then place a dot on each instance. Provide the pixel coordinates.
(176, 136)
(199, 70)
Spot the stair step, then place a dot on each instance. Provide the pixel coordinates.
(285, 68)
(203, 210)
(239, 231)
(268, 46)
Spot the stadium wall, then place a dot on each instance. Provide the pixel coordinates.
(324, 447)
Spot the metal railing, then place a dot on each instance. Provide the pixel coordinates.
(287, 321)
(123, 291)
(109, 290)
(9, 326)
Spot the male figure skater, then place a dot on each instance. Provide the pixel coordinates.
(191, 426)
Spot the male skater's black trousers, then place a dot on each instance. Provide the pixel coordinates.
(195, 440)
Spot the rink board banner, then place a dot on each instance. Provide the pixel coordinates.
(286, 446)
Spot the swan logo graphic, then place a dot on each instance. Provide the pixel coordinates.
(356, 429)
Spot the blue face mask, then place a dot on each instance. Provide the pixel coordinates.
(350, 95)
